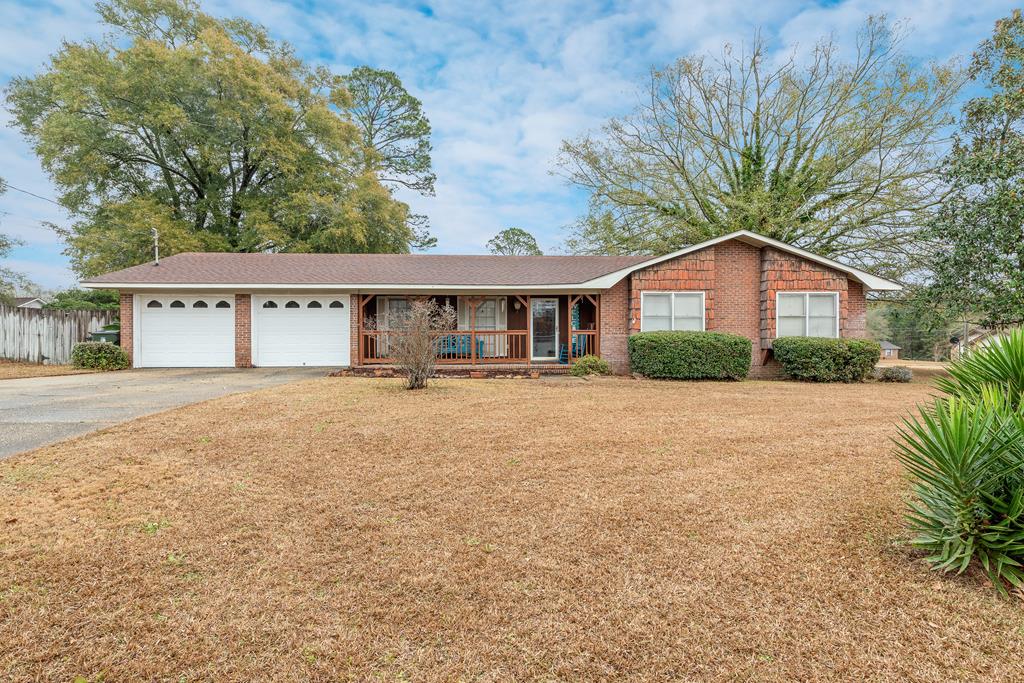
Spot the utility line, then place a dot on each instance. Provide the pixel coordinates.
(31, 194)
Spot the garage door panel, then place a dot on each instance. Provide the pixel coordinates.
(288, 331)
(186, 331)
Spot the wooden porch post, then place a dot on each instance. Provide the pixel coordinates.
(359, 329)
(597, 325)
(573, 300)
(472, 330)
(529, 330)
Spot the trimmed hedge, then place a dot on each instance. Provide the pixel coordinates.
(820, 359)
(99, 356)
(690, 355)
(590, 365)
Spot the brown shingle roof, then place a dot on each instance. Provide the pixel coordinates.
(369, 269)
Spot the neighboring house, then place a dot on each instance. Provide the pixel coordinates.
(890, 350)
(28, 302)
(977, 337)
(541, 312)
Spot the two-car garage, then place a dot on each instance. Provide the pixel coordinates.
(189, 330)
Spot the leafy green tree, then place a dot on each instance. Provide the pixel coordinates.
(396, 137)
(981, 224)
(207, 130)
(837, 157)
(514, 242)
(84, 300)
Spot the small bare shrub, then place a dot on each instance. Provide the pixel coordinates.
(894, 373)
(413, 339)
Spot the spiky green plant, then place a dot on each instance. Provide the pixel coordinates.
(965, 457)
(968, 499)
(999, 364)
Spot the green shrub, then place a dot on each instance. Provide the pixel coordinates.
(690, 355)
(99, 356)
(819, 359)
(590, 365)
(894, 373)
(965, 458)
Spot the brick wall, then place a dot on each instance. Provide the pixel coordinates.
(127, 324)
(737, 304)
(740, 282)
(692, 272)
(856, 311)
(781, 272)
(353, 331)
(243, 330)
(615, 325)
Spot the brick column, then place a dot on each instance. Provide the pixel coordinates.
(127, 316)
(353, 329)
(856, 311)
(243, 331)
(615, 324)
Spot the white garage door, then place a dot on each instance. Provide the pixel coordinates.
(179, 331)
(300, 330)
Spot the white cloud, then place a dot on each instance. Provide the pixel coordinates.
(503, 83)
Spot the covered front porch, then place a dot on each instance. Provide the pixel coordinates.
(493, 330)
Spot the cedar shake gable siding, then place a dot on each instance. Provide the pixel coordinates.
(739, 282)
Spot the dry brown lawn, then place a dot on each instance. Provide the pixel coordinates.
(15, 370)
(345, 529)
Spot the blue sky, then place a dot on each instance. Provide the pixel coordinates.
(502, 83)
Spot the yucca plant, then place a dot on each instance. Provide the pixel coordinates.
(964, 455)
(999, 364)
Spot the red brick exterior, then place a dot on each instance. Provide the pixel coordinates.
(353, 330)
(740, 282)
(615, 326)
(856, 311)
(127, 324)
(737, 281)
(693, 272)
(781, 272)
(243, 330)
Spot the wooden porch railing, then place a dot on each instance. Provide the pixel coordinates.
(584, 343)
(454, 346)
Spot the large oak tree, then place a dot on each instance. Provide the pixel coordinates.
(209, 131)
(836, 155)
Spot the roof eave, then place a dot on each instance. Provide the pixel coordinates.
(339, 286)
(871, 282)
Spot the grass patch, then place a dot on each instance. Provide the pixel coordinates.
(491, 530)
(16, 370)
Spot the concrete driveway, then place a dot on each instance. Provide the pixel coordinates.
(40, 410)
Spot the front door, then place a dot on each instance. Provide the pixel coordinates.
(544, 345)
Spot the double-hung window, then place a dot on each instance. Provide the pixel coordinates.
(671, 311)
(807, 314)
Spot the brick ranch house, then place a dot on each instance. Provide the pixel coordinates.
(514, 312)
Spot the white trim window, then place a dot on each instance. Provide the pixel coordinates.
(679, 311)
(807, 314)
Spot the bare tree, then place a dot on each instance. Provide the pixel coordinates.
(837, 156)
(413, 338)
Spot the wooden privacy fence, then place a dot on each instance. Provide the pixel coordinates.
(37, 335)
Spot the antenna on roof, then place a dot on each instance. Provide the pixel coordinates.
(156, 246)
